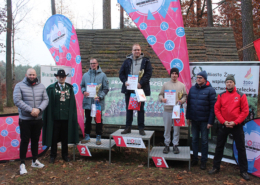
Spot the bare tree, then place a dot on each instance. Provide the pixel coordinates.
(53, 10)
(63, 8)
(93, 16)
(209, 13)
(247, 29)
(106, 14)
(9, 81)
(121, 17)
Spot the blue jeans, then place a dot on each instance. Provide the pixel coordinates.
(196, 129)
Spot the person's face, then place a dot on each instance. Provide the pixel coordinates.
(61, 79)
(136, 51)
(230, 84)
(31, 74)
(93, 64)
(200, 80)
(174, 76)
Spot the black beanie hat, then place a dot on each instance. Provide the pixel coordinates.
(231, 77)
(174, 69)
(203, 74)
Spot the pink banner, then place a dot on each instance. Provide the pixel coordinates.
(10, 138)
(160, 21)
(61, 39)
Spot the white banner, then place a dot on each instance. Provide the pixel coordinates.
(47, 74)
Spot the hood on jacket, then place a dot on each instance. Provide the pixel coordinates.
(27, 83)
(207, 84)
(131, 56)
(99, 70)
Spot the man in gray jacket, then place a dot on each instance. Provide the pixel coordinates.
(94, 75)
(31, 99)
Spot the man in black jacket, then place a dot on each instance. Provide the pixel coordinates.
(134, 63)
(200, 113)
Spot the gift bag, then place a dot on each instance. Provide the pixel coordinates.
(180, 122)
(133, 103)
(176, 112)
(93, 110)
(98, 113)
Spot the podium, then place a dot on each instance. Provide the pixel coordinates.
(135, 134)
(184, 154)
(106, 144)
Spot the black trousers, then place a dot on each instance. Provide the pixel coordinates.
(239, 137)
(29, 129)
(129, 113)
(88, 126)
(60, 133)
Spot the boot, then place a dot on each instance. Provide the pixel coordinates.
(127, 130)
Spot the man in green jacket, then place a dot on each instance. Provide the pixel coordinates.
(60, 117)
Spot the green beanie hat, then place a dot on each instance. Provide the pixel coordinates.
(230, 77)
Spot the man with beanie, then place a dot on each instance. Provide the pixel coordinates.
(176, 85)
(134, 63)
(231, 110)
(31, 99)
(200, 115)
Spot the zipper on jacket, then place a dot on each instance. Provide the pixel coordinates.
(33, 98)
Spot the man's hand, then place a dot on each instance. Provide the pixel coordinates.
(188, 122)
(209, 125)
(232, 124)
(35, 112)
(97, 99)
(86, 94)
(139, 86)
(126, 84)
(164, 100)
(229, 124)
(179, 102)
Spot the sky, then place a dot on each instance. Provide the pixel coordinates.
(29, 46)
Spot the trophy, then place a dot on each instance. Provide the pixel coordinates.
(97, 89)
(141, 73)
(180, 94)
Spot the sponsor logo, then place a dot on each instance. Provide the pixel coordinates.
(249, 74)
(133, 141)
(142, 5)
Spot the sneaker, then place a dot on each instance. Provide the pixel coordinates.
(141, 132)
(22, 169)
(203, 165)
(176, 149)
(126, 131)
(213, 171)
(98, 141)
(86, 139)
(245, 176)
(37, 164)
(166, 150)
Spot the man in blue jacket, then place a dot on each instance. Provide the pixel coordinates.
(94, 75)
(200, 114)
(134, 63)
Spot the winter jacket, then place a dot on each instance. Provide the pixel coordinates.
(231, 106)
(144, 81)
(94, 76)
(200, 103)
(26, 97)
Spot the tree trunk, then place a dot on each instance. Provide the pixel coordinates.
(209, 13)
(13, 58)
(121, 17)
(247, 29)
(53, 9)
(9, 81)
(106, 14)
(198, 11)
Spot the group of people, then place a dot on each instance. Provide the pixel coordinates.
(54, 110)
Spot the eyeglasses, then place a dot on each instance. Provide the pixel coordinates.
(93, 63)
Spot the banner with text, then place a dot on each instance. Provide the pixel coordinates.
(61, 39)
